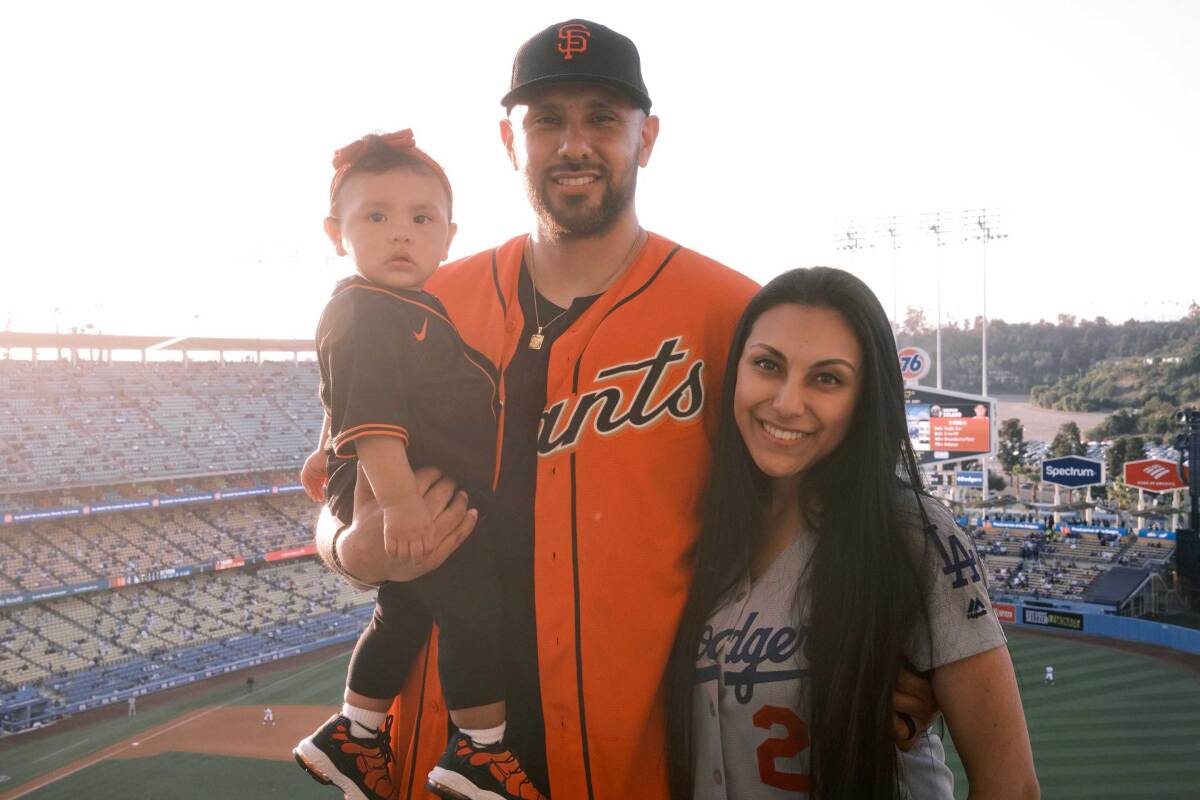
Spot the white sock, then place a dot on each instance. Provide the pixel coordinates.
(363, 723)
(485, 736)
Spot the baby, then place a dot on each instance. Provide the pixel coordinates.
(402, 390)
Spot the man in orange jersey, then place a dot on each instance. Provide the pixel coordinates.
(611, 342)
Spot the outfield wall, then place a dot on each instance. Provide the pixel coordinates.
(1111, 626)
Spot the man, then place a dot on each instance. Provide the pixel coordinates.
(611, 342)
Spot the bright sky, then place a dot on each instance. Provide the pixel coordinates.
(166, 165)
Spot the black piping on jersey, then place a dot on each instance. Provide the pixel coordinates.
(496, 283)
(583, 733)
(416, 740)
(621, 302)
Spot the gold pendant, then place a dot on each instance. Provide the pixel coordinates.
(535, 341)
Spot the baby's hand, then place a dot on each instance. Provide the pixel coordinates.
(315, 474)
(408, 529)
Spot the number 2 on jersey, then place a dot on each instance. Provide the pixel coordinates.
(789, 746)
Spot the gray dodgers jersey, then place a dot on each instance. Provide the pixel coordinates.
(751, 740)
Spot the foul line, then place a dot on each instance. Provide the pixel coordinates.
(119, 747)
(61, 750)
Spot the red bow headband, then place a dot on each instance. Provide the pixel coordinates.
(400, 143)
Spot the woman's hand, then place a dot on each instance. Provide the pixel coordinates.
(914, 707)
(360, 548)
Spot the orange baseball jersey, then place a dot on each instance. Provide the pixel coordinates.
(624, 449)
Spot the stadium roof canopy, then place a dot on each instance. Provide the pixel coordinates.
(1112, 588)
(81, 341)
(215, 343)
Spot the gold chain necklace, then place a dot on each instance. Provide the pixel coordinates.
(537, 339)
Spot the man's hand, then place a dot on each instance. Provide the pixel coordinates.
(408, 529)
(360, 547)
(314, 475)
(913, 707)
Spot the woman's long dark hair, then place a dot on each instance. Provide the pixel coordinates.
(866, 591)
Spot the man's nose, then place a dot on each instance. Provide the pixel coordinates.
(575, 144)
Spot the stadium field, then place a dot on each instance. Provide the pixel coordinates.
(1115, 724)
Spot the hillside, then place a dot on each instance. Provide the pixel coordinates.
(1022, 356)
(1143, 392)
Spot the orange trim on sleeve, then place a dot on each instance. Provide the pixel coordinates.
(370, 429)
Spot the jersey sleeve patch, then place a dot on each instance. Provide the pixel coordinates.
(959, 619)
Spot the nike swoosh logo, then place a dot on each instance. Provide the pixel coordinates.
(420, 335)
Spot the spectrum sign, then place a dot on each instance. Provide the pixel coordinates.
(1154, 475)
(1073, 471)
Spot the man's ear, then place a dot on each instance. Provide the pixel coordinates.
(649, 136)
(333, 229)
(508, 137)
(451, 231)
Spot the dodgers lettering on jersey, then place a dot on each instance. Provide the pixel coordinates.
(753, 646)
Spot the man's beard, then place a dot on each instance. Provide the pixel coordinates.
(573, 218)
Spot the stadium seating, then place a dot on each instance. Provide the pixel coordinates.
(94, 423)
(95, 645)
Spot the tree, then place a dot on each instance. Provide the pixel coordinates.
(1121, 495)
(1068, 441)
(914, 321)
(1012, 444)
(1127, 448)
(1115, 458)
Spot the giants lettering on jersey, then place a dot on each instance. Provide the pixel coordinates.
(670, 387)
(752, 646)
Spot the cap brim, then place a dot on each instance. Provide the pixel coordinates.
(515, 96)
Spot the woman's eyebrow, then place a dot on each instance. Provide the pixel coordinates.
(829, 362)
(769, 349)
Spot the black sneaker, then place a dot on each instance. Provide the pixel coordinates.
(468, 771)
(359, 767)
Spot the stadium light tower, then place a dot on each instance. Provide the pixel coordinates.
(938, 223)
(984, 227)
(853, 240)
(891, 228)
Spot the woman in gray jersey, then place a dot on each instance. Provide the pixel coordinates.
(822, 568)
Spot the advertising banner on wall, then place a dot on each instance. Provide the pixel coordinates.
(949, 426)
(1005, 612)
(1047, 618)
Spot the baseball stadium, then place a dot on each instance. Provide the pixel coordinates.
(167, 631)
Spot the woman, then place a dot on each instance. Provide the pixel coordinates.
(822, 569)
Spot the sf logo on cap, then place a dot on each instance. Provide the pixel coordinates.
(573, 39)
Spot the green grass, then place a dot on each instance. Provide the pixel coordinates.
(315, 683)
(1115, 724)
(186, 776)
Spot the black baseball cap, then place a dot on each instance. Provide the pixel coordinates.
(578, 50)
